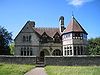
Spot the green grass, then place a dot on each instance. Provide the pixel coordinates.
(73, 70)
(14, 69)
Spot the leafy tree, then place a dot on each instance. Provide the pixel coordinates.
(12, 48)
(5, 40)
(94, 46)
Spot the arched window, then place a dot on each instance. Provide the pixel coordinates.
(57, 52)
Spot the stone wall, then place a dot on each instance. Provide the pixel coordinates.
(73, 61)
(18, 59)
(51, 60)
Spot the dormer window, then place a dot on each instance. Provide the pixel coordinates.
(44, 38)
(57, 38)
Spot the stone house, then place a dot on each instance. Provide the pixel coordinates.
(61, 41)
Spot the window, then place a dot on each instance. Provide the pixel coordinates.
(30, 38)
(70, 52)
(67, 47)
(30, 52)
(44, 38)
(75, 51)
(27, 38)
(81, 50)
(23, 38)
(78, 50)
(57, 38)
(65, 52)
(57, 52)
(77, 35)
(21, 51)
(64, 48)
(26, 51)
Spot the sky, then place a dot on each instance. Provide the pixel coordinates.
(15, 13)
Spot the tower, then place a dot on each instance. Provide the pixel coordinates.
(61, 24)
(74, 39)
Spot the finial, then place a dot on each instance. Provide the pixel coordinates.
(72, 14)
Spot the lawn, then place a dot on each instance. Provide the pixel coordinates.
(14, 69)
(73, 70)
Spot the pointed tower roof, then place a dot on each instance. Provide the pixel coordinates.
(74, 26)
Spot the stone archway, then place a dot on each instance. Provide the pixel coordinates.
(42, 54)
(57, 52)
(46, 52)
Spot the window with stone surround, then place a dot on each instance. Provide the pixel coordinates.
(57, 52)
(27, 38)
(26, 51)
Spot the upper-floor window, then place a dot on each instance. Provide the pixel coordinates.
(24, 39)
(57, 38)
(78, 35)
(44, 38)
(27, 38)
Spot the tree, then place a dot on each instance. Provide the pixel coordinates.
(12, 47)
(94, 46)
(5, 40)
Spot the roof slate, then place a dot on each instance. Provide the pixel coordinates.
(49, 31)
(74, 26)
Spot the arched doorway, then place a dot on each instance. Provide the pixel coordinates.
(57, 52)
(42, 54)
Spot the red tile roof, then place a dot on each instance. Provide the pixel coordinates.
(74, 26)
(49, 31)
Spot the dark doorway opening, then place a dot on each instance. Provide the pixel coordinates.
(40, 59)
(42, 54)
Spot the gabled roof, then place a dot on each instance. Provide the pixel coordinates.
(74, 26)
(49, 31)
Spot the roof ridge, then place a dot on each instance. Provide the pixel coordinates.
(47, 27)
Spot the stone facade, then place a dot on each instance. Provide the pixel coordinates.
(34, 41)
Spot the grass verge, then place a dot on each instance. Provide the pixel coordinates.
(14, 69)
(73, 70)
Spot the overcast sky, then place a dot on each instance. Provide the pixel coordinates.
(15, 13)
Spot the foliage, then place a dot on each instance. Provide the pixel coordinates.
(14, 69)
(94, 46)
(12, 47)
(5, 40)
(73, 70)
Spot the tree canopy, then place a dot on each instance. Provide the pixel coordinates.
(94, 46)
(5, 40)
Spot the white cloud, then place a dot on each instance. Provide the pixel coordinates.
(78, 2)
